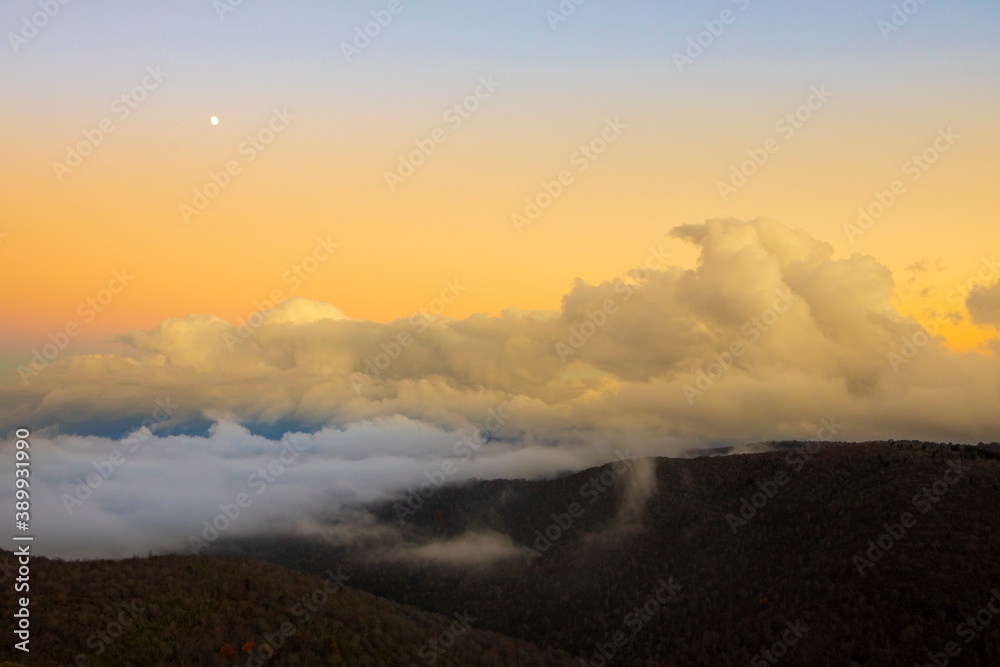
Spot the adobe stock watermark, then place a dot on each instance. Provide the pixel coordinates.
(899, 17)
(436, 647)
(924, 501)
(392, 349)
(103, 639)
(592, 490)
(779, 649)
(59, 340)
(105, 468)
(635, 620)
(915, 167)
(751, 331)
(248, 149)
(915, 342)
(582, 158)
(968, 630)
(786, 126)
(297, 274)
(259, 480)
(697, 44)
(31, 25)
(465, 448)
(454, 116)
(563, 11)
(363, 35)
(121, 108)
(768, 489)
(223, 7)
(300, 613)
(580, 333)
(988, 271)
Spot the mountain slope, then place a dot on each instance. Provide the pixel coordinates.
(199, 610)
(805, 559)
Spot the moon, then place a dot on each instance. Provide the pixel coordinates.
(214, 120)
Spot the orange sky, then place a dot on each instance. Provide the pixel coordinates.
(324, 175)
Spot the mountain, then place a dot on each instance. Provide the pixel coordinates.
(834, 554)
(200, 610)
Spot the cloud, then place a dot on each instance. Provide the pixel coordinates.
(102, 497)
(640, 486)
(984, 304)
(768, 334)
(468, 549)
(359, 530)
(924, 265)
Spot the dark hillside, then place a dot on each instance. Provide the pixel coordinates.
(200, 610)
(797, 558)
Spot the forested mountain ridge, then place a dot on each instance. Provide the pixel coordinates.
(875, 553)
(207, 610)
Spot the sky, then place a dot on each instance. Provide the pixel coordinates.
(569, 212)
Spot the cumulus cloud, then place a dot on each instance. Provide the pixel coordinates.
(768, 334)
(984, 304)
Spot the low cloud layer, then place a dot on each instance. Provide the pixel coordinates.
(95, 496)
(768, 335)
(469, 549)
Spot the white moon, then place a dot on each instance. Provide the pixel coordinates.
(214, 120)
